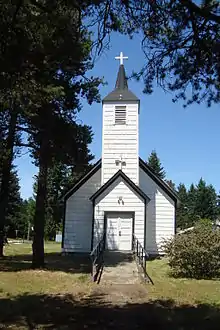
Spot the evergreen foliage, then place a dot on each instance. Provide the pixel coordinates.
(206, 201)
(27, 214)
(155, 165)
(199, 202)
(60, 178)
(41, 82)
(14, 221)
(45, 54)
(171, 184)
(182, 217)
(180, 43)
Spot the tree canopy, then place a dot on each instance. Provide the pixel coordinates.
(44, 59)
(198, 202)
(180, 41)
(155, 164)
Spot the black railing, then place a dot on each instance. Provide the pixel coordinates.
(141, 257)
(97, 258)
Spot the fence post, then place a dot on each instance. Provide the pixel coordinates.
(142, 255)
(145, 263)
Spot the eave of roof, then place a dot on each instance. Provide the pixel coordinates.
(121, 174)
(170, 192)
(142, 164)
(83, 179)
(121, 95)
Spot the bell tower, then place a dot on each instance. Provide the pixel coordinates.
(120, 129)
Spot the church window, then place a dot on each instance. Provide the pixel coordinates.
(120, 115)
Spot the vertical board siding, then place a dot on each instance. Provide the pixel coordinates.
(160, 214)
(79, 214)
(108, 201)
(120, 141)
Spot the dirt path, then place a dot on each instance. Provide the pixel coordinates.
(120, 282)
(119, 268)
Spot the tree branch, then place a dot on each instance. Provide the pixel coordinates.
(203, 12)
(18, 7)
(24, 129)
(21, 144)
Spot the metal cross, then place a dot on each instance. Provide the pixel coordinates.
(121, 58)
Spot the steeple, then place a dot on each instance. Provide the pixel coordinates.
(121, 91)
(121, 82)
(120, 129)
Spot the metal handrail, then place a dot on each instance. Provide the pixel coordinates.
(141, 257)
(96, 257)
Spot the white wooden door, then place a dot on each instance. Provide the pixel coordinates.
(119, 231)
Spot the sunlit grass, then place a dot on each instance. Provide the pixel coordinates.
(59, 277)
(182, 290)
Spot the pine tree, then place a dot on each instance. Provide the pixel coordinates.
(206, 201)
(171, 184)
(155, 165)
(182, 217)
(27, 214)
(14, 204)
(43, 96)
(191, 204)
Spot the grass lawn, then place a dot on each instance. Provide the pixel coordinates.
(62, 275)
(181, 290)
(63, 297)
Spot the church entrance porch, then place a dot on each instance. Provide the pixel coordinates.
(119, 230)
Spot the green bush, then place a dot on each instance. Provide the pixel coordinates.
(195, 253)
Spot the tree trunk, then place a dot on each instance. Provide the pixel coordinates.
(39, 216)
(5, 176)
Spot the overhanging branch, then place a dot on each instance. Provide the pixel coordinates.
(203, 12)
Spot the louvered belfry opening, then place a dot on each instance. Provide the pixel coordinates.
(120, 115)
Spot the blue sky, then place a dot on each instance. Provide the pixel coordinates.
(186, 140)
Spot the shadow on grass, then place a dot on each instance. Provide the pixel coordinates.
(79, 263)
(73, 263)
(66, 312)
(180, 275)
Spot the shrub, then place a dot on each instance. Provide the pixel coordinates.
(196, 253)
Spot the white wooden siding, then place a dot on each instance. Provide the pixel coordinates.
(120, 141)
(79, 213)
(108, 201)
(160, 214)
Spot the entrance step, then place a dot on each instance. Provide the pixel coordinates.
(119, 268)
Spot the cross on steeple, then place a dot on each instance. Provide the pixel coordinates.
(121, 58)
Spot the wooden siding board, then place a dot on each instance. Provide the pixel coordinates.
(120, 140)
(78, 216)
(160, 215)
(108, 203)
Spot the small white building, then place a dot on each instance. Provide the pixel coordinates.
(120, 194)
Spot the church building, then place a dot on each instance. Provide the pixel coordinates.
(120, 195)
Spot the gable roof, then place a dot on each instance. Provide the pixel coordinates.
(121, 91)
(83, 179)
(163, 185)
(126, 179)
(170, 192)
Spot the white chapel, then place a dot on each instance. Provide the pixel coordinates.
(120, 195)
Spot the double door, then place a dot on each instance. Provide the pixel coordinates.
(119, 231)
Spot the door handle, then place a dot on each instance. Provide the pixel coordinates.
(119, 233)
